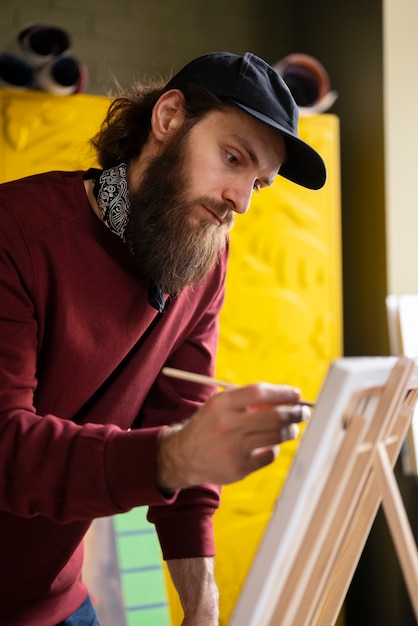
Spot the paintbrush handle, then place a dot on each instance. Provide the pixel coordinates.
(207, 380)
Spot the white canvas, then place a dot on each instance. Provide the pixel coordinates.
(306, 482)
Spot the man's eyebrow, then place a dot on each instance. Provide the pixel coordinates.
(246, 146)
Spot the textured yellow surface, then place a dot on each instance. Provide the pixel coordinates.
(282, 317)
(41, 132)
(281, 323)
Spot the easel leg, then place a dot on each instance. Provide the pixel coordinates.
(399, 526)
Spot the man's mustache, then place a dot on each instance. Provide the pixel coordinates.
(221, 209)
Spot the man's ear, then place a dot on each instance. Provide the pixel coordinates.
(167, 114)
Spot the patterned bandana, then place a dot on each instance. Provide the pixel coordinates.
(110, 189)
(111, 192)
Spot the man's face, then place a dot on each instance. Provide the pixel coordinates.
(186, 201)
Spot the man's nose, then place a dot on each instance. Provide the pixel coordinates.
(238, 197)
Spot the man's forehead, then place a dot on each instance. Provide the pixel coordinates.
(243, 124)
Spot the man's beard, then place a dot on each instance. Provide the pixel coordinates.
(170, 247)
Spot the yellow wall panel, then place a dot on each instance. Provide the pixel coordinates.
(41, 132)
(282, 317)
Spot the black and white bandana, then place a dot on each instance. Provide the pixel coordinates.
(110, 189)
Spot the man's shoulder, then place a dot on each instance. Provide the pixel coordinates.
(54, 178)
(39, 201)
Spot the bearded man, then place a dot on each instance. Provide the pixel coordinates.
(107, 276)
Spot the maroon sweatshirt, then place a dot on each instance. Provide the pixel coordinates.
(71, 309)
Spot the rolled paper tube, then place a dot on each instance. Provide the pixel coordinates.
(40, 43)
(15, 72)
(63, 77)
(308, 81)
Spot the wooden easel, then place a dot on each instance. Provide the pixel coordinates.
(402, 311)
(300, 575)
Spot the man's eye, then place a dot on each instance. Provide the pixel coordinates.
(231, 157)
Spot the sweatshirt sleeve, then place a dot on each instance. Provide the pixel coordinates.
(50, 466)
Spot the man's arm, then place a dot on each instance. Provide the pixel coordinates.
(194, 581)
(233, 434)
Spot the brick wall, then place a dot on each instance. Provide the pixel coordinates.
(130, 39)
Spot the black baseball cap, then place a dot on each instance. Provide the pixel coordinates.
(253, 85)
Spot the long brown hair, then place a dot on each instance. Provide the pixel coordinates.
(127, 124)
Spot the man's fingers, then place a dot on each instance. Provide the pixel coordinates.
(289, 432)
(259, 395)
(294, 414)
(262, 456)
(269, 438)
(270, 420)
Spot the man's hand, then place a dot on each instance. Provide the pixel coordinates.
(233, 434)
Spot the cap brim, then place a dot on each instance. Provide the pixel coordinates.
(303, 165)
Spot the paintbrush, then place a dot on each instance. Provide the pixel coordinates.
(207, 380)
